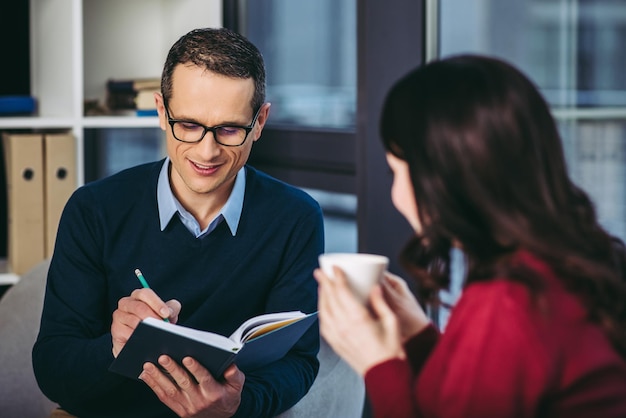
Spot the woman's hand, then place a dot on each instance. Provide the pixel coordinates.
(410, 315)
(362, 337)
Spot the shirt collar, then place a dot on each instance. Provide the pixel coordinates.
(167, 202)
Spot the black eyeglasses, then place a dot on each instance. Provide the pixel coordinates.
(193, 132)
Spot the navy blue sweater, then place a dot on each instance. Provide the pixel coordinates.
(110, 227)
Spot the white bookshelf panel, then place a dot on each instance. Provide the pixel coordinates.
(53, 24)
(182, 16)
(77, 45)
(130, 39)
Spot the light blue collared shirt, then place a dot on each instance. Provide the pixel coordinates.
(169, 205)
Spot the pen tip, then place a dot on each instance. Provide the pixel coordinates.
(137, 272)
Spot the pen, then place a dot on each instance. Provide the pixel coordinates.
(144, 283)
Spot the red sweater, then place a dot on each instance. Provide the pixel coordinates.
(505, 355)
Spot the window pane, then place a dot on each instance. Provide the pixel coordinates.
(340, 231)
(596, 154)
(573, 49)
(110, 150)
(310, 56)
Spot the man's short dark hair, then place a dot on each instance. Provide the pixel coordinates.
(221, 51)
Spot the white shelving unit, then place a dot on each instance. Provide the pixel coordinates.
(77, 45)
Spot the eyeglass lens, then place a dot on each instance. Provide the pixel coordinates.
(192, 132)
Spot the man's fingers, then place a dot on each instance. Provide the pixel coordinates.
(199, 373)
(234, 377)
(158, 308)
(163, 387)
(175, 308)
(179, 375)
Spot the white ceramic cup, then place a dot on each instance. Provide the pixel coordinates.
(363, 271)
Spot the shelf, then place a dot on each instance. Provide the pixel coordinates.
(77, 45)
(26, 122)
(120, 122)
(33, 122)
(7, 279)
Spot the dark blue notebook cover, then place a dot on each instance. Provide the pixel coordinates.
(148, 342)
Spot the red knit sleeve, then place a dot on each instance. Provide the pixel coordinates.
(389, 388)
(419, 347)
(390, 384)
(490, 362)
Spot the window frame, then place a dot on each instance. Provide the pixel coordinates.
(352, 161)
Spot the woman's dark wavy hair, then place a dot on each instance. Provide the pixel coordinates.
(488, 171)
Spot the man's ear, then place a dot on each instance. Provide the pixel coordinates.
(264, 113)
(160, 106)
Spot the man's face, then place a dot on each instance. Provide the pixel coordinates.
(208, 168)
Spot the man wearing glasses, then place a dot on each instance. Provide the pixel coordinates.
(218, 241)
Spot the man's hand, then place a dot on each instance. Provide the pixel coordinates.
(131, 310)
(191, 391)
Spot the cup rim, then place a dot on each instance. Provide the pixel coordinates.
(377, 258)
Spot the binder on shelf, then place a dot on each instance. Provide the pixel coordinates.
(23, 155)
(17, 105)
(59, 181)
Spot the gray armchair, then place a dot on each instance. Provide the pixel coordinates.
(337, 392)
(20, 310)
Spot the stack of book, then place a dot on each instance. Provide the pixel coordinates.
(133, 95)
